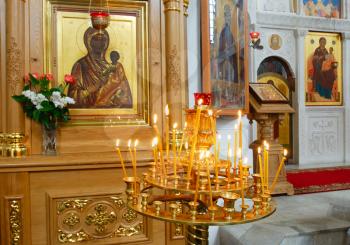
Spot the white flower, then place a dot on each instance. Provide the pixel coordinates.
(29, 94)
(36, 100)
(38, 107)
(69, 100)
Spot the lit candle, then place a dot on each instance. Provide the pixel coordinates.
(284, 158)
(267, 166)
(154, 146)
(135, 145)
(167, 131)
(209, 179)
(261, 170)
(182, 138)
(201, 156)
(240, 132)
(264, 160)
(121, 158)
(160, 145)
(217, 158)
(235, 147)
(229, 156)
(174, 149)
(195, 137)
(241, 177)
(132, 162)
(228, 147)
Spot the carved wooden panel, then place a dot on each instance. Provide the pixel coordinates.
(95, 219)
(14, 218)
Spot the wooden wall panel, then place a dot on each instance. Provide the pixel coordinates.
(14, 194)
(96, 186)
(2, 66)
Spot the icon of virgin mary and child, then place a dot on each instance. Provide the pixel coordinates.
(100, 84)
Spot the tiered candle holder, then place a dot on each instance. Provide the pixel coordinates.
(185, 186)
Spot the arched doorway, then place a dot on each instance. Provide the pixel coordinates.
(277, 71)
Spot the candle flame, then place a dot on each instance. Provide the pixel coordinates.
(239, 151)
(200, 101)
(185, 124)
(229, 153)
(155, 118)
(285, 152)
(136, 143)
(186, 145)
(129, 143)
(239, 114)
(175, 126)
(245, 160)
(210, 113)
(265, 143)
(201, 155)
(167, 110)
(117, 143)
(219, 136)
(259, 150)
(267, 147)
(229, 137)
(207, 154)
(236, 126)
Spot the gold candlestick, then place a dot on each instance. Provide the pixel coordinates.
(209, 179)
(195, 136)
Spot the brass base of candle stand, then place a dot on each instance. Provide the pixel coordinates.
(197, 235)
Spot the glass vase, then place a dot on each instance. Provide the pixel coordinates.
(49, 141)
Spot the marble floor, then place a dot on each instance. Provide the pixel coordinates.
(312, 219)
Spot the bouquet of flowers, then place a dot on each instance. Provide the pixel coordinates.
(43, 103)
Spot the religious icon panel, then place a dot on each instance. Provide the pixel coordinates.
(226, 64)
(322, 8)
(109, 65)
(323, 74)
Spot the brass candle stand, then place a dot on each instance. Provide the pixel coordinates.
(192, 181)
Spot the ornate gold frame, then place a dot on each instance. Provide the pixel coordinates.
(309, 49)
(139, 114)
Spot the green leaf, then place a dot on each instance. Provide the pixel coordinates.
(20, 98)
(47, 106)
(33, 80)
(36, 115)
(26, 87)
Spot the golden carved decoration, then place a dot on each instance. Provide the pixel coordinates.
(171, 5)
(71, 220)
(101, 218)
(80, 236)
(15, 221)
(72, 204)
(118, 201)
(173, 70)
(14, 66)
(178, 230)
(130, 215)
(94, 218)
(186, 3)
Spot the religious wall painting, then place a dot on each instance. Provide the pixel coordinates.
(275, 42)
(110, 66)
(323, 73)
(322, 8)
(224, 51)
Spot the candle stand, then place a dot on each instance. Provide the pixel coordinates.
(185, 188)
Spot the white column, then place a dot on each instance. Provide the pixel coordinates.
(346, 94)
(299, 126)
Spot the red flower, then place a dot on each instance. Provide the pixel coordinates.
(69, 79)
(35, 75)
(48, 76)
(26, 78)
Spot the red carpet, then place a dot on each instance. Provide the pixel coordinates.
(319, 180)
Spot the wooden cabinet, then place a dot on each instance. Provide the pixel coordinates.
(72, 199)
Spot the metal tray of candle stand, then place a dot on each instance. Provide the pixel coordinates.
(180, 194)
